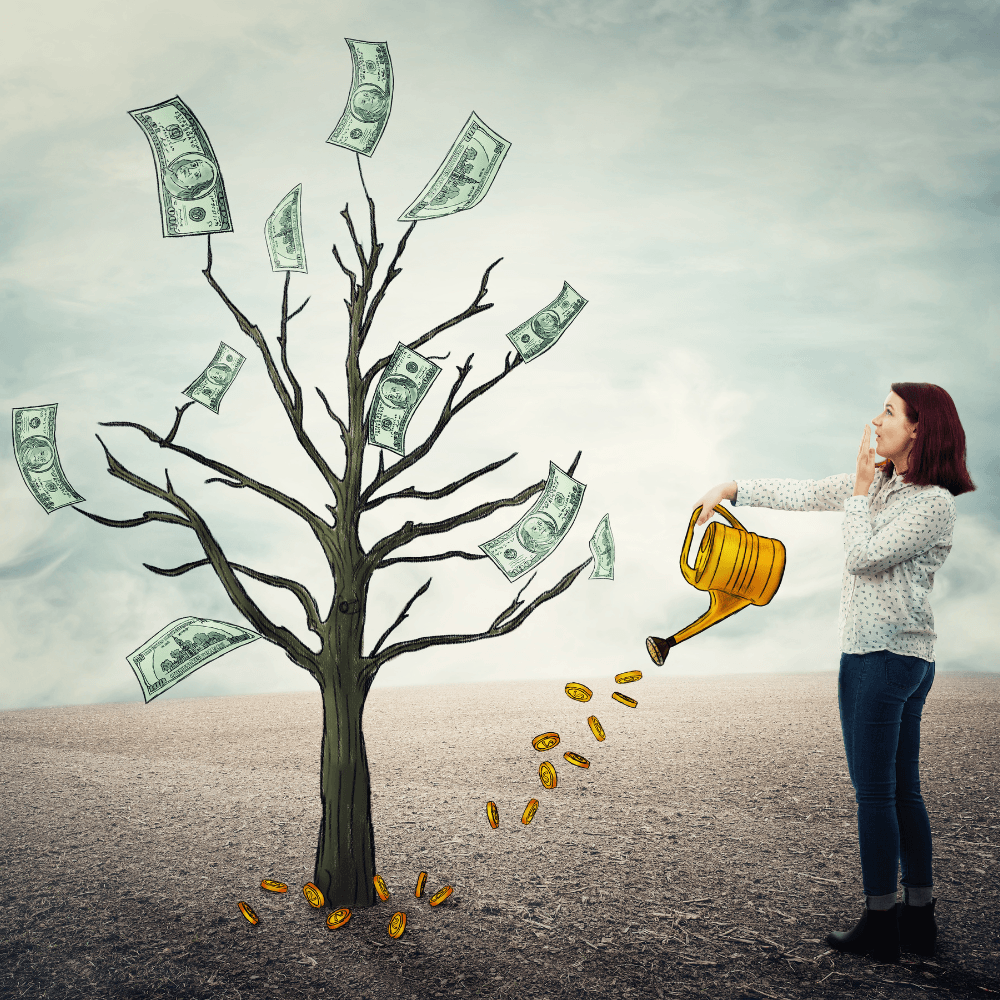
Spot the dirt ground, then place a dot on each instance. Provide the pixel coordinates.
(707, 850)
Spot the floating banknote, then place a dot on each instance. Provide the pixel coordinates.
(181, 648)
(462, 180)
(368, 104)
(602, 546)
(536, 335)
(536, 535)
(403, 384)
(283, 234)
(192, 195)
(211, 385)
(34, 429)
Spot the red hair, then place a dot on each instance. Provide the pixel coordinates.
(938, 454)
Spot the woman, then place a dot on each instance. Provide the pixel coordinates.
(897, 533)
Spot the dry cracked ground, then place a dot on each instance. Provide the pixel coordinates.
(707, 850)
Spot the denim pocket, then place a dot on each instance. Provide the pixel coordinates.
(904, 673)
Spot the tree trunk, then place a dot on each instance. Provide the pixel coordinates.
(345, 856)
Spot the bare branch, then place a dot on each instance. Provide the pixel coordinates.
(226, 482)
(301, 307)
(494, 630)
(178, 570)
(283, 342)
(444, 555)
(371, 204)
(132, 522)
(402, 615)
(350, 274)
(177, 422)
(514, 604)
(465, 314)
(358, 249)
(411, 493)
(390, 275)
(333, 416)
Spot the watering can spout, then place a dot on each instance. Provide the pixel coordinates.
(735, 566)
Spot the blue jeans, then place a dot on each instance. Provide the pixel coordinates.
(881, 696)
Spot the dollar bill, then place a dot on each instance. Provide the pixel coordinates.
(283, 234)
(34, 430)
(602, 547)
(536, 335)
(181, 648)
(462, 180)
(403, 384)
(211, 385)
(192, 195)
(370, 100)
(536, 535)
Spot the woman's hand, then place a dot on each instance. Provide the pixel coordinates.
(724, 491)
(865, 474)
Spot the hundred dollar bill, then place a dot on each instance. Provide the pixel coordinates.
(211, 385)
(181, 648)
(536, 535)
(34, 430)
(536, 335)
(462, 180)
(403, 385)
(283, 234)
(368, 104)
(192, 195)
(602, 547)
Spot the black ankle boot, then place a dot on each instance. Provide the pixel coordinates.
(876, 934)
(917, 929)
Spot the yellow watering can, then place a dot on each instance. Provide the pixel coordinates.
(735, 566)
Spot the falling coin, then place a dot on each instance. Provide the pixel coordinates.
(441, 895)
(629, 675)
(493, 814)
(397, 924)
(595, 727)
(338, 918)
(624, 699)
(248, 913)
(546, 741)
(529, 811)
(575, 758)
(421, 879)
(578, 692)
(548, 775)
(273, 886)
(380, 887)
(312, 893)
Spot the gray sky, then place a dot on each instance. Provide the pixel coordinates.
(774, 209)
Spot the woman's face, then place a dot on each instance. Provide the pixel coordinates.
(894, 434)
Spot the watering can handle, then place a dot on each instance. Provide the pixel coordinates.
(688, 571)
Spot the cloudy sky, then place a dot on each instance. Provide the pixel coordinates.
(775, 210)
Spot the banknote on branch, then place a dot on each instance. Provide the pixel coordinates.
(536, 535)
(403, 385)
(602, 547)
(370, 100)
(462, 180)
(211, 385)
(181, 648)
(189, 181)
(283, 234)
(34, 430)
(536, 335)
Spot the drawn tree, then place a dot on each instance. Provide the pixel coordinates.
(345, 854)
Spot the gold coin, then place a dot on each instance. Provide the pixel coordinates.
(397, 924)
(273, 886)
(546, 741)
(575, 758)
(380, 887)
(529, 811)
(313, 894)
(441, 895)
(548, 775)
(248, 913)
(421, 879)
(624, 699)
(338, 918)
(493, 814)
(596, 728)
(578, 692)
(629, 675)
